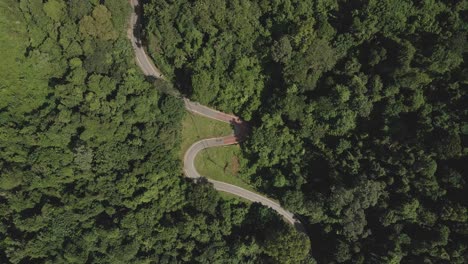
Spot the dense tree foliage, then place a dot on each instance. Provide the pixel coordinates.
(358, 111)
(89, 167)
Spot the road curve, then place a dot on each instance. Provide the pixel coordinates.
(134, 34)
(239, 134)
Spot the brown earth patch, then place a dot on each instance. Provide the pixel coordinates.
(234, 165)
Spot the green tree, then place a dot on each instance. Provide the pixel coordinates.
(292, 247)
(55, 9)
(99, 25)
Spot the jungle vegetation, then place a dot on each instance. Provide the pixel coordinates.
(358, 111)
(90, 168)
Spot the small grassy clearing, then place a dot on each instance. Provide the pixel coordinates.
(221, 163)
(195, 128)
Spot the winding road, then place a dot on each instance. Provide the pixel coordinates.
(239, 134)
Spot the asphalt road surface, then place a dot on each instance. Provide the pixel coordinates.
(240, 127)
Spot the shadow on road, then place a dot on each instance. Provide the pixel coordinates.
(137, 26)
(241, 129)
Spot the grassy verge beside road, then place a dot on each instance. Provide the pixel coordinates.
(195, 128)
(219, 163)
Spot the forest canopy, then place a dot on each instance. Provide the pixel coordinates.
(358, 119)
(89, 153)
(358, 113)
